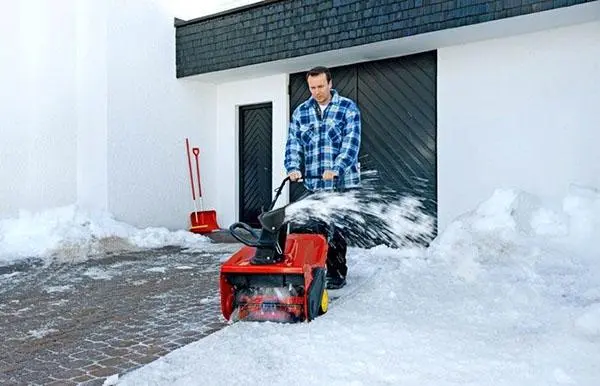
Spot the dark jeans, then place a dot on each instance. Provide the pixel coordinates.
(337, 244)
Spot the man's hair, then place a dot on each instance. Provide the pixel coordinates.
(318, 71)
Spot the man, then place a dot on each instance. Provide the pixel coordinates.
(322, 146)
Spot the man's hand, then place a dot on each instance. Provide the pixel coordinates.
(295, 176)
(329, 175)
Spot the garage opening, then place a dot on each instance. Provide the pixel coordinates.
(397, 99)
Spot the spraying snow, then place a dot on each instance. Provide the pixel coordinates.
(368, 216)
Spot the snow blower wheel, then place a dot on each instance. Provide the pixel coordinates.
(324, 302)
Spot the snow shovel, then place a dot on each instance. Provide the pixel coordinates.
(202, 221)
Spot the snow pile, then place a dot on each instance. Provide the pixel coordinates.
(499, 229)
(556, 253)
(589, 322)
(514, 225)
(582, 206)
(70, 233)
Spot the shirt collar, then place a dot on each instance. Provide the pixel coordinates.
(335, 98)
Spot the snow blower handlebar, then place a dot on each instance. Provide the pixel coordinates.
(278, 192)
(285, 180)
(271, 221)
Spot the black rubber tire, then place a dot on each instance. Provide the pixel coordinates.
(315, 293)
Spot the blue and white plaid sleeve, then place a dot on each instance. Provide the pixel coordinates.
(351, 143)
(293, 147)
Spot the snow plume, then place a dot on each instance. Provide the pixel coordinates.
(368, 216)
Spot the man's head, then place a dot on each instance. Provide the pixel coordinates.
(319, 84)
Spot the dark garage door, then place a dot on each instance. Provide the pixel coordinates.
(397, 99)
(255, 160)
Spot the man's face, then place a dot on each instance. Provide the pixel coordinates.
(320, 88)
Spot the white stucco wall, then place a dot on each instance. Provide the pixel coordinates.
(92, 104)
(92, 112)
(38, 123)
(518, 112)
(224, 175)
(150, 113)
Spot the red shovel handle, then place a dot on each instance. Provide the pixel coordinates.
(187, 145)
(196, 152)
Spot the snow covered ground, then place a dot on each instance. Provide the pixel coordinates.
(508, 294)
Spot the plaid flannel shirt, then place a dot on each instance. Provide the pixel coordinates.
(325, 141)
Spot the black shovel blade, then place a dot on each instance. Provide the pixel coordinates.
(272, 220)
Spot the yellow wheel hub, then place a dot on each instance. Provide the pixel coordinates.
(324, 301)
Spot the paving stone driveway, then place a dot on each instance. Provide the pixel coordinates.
(80, 323)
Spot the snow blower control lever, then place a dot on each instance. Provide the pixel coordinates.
(270, 244)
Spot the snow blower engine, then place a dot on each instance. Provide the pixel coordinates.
(276, 276)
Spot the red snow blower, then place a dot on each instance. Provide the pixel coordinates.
(276, 276)
(202, 221)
